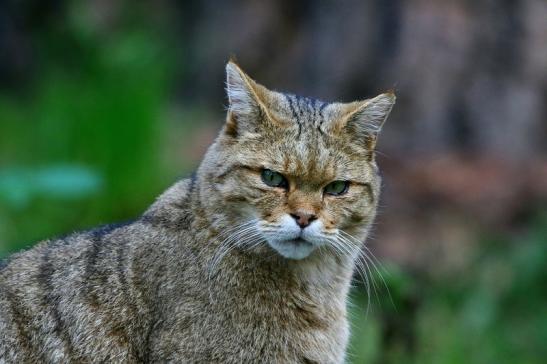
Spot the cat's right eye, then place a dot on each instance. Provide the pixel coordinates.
(337, 188)
(273, 179)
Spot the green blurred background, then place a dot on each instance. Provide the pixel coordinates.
(104, 104)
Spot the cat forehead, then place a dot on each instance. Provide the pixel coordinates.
(304, 145)
(300, 109)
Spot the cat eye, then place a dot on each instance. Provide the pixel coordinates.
(274, 179)
(337, 188)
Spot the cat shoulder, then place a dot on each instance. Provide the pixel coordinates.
(172, 209)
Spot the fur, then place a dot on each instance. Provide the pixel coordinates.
(211, 271)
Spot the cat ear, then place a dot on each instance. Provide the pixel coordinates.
(246, 109)
(364, 119)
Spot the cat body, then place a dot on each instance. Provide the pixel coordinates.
(244, 262)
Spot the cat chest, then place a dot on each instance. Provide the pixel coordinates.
(226, 333)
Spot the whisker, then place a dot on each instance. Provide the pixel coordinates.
(339, 246)
(234, 240)
(374, 261)
(229, 243)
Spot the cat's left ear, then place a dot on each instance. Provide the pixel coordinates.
(364, 119)
(247, 110)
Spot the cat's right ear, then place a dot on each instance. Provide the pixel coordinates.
(246, 102)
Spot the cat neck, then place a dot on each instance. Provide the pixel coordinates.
(248, 277)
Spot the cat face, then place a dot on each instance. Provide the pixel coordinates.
(300, 173)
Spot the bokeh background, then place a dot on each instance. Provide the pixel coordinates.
(104, 104)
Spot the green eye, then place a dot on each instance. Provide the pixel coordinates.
(273, 179)
(337, 188)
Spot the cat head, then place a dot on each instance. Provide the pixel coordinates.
(291, 172)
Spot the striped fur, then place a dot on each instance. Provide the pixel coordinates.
(156, 290)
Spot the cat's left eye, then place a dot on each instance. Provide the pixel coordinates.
(337, 188)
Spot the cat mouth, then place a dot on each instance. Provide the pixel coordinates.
(298, 242)
(293, 248)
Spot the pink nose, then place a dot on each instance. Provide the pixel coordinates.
(303, 218)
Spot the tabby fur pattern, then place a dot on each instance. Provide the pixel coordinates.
(217, 270)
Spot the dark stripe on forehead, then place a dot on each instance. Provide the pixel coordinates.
(321, 108)
(321, 117)
(291, 106)
(294, 112)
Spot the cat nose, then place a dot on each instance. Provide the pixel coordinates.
(303, 218)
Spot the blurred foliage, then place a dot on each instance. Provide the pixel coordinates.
(88, 128)
(19, 186)
(494, 311)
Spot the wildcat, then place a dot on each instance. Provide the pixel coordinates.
(248, 261)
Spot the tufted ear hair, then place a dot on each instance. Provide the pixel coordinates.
(364, 119)
(247, 100)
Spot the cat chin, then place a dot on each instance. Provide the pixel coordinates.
(293, 249)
